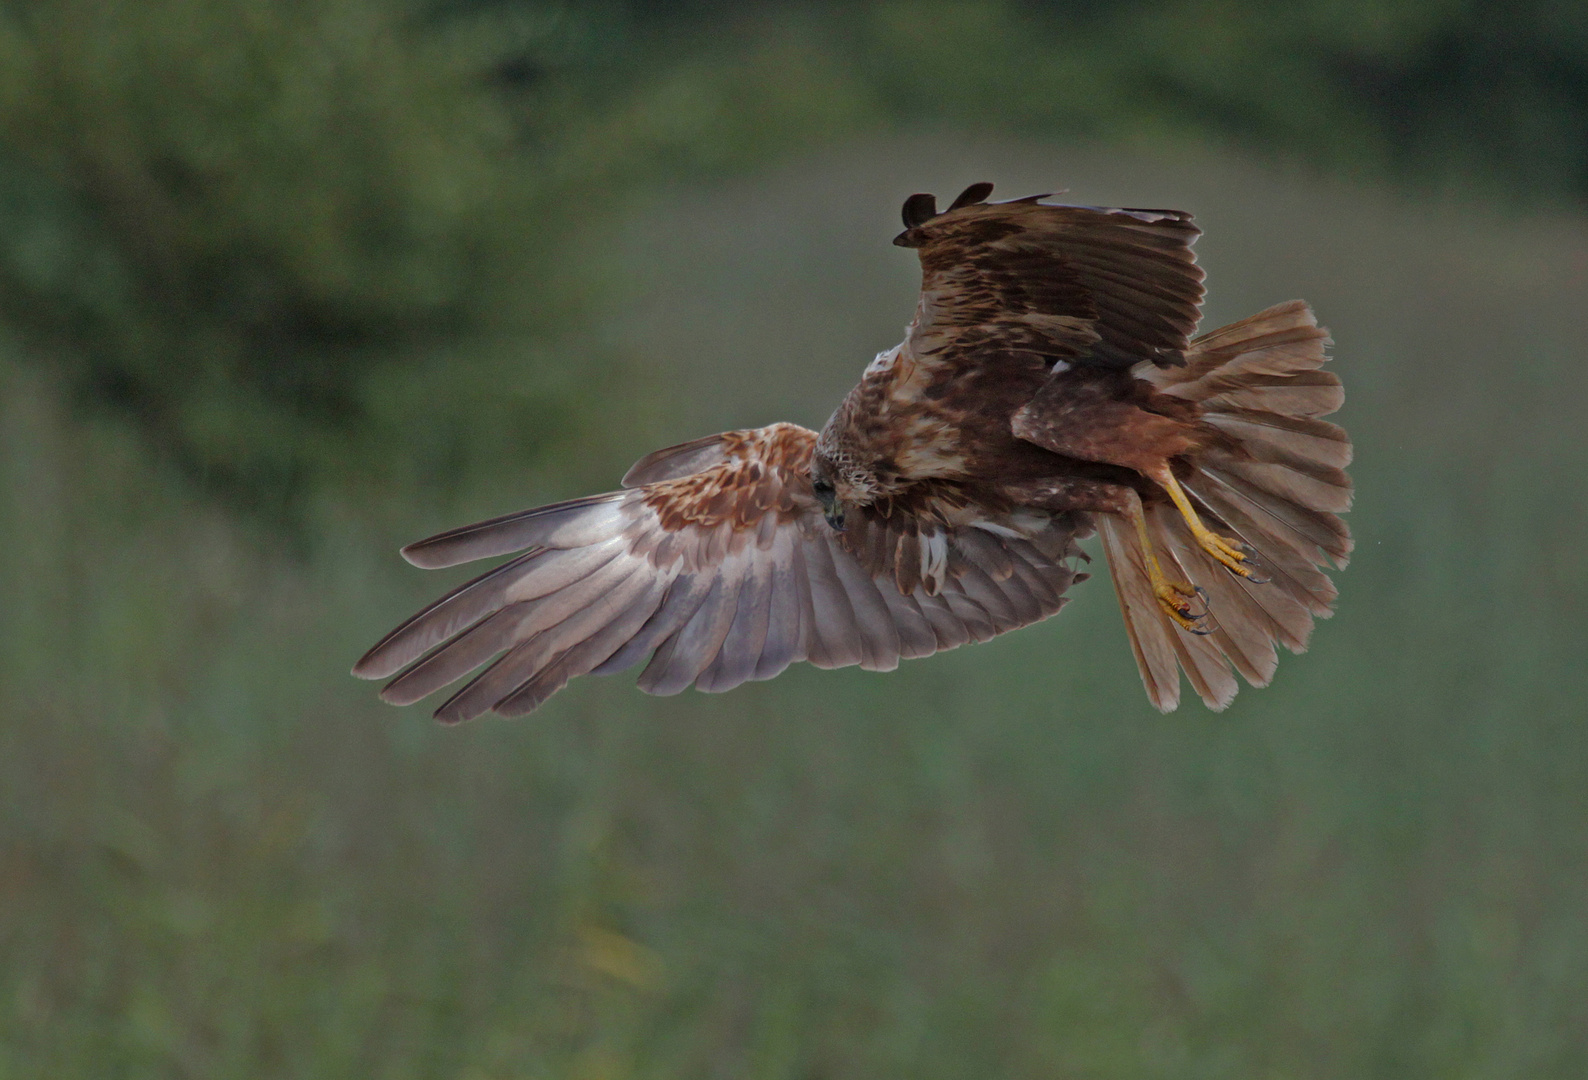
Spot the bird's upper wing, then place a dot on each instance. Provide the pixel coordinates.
(717, 564)
(1098, 285)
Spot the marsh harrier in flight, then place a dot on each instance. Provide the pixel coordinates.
(1048, 387)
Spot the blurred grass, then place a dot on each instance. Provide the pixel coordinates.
(221, 858)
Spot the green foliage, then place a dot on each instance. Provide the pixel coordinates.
(251, 225)
(224, 216)
(1422, 91)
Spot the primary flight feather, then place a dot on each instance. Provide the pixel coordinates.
(1048, 387)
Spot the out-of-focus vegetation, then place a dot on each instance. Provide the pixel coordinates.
(222, 218)
(262, 230)
(380, 268)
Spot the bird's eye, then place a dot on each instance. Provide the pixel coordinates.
(823, 487)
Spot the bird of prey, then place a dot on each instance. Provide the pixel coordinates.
(1048, 387)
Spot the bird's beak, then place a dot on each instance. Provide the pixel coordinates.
(833, 511)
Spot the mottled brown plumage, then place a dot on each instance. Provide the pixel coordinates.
(1048, 386)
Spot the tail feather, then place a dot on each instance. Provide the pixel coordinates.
(1306, 393)
(1295, 572)
(1150, 632)
(1243, 630)
(1312, 489)
(1203, 657)
(1311, 533)
(1277, 484)
(1298, 442)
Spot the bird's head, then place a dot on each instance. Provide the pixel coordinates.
(849, 469)
(844, 483)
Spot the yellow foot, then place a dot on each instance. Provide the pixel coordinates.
(1178, 600)
(1180, 603)
(1232, 553)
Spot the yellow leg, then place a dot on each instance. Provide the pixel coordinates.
(1176, 599)
(1232, 553)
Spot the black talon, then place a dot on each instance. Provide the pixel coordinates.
(1204, 621)
(1212, 625)
(1251, 563)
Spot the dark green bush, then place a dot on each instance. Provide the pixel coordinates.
(221, 216)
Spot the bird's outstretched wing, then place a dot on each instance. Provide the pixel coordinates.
(715, 562)
(1096, 285)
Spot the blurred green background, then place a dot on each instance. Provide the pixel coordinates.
(287, 283)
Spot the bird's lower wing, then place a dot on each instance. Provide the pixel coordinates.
(716, 577)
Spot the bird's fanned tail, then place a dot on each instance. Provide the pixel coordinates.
(1277, 486)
